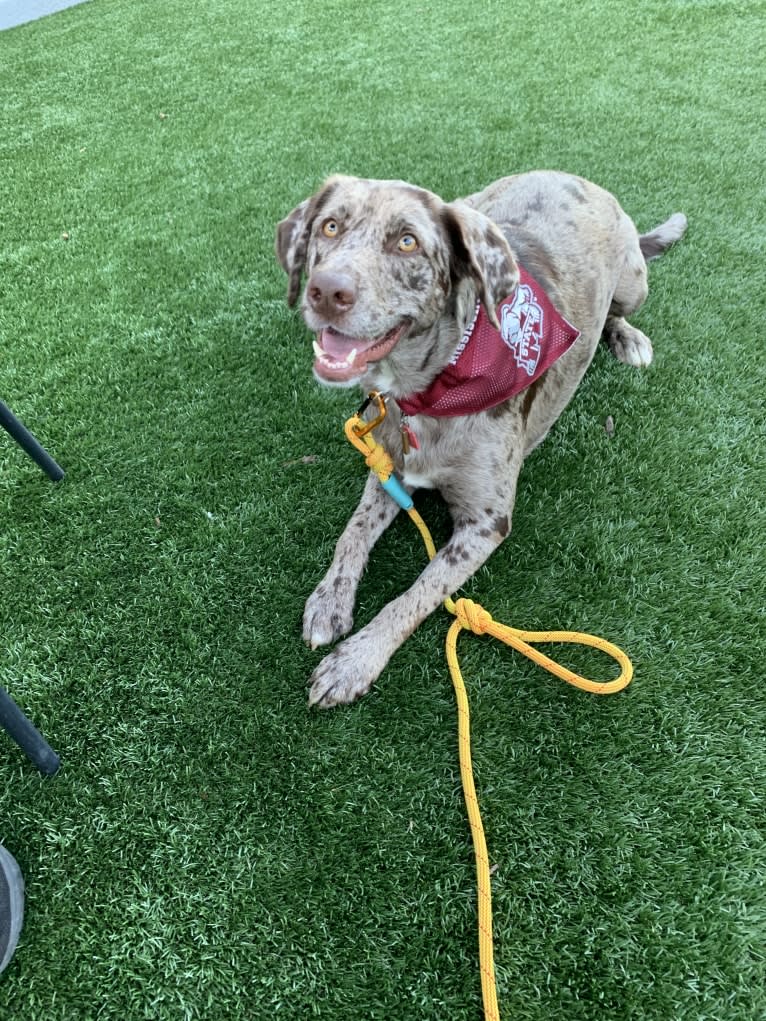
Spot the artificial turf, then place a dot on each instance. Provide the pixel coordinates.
(211, 848)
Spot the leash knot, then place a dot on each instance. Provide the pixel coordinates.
(379, 462)
(473, 616)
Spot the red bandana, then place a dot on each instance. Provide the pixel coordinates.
(490, 365)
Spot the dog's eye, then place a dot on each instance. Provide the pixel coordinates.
(407, 243)
(330, 228)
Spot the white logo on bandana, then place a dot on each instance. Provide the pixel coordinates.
(521, 327)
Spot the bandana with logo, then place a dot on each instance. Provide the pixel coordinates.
(489, 366)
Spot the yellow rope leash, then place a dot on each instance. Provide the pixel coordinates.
(470, 616)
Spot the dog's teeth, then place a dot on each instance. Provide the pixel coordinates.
(351, 356)
(317, 349)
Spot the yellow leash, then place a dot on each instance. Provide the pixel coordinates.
(472, 617)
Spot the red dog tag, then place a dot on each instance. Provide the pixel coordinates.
(409, 439)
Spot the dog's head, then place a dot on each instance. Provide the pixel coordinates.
(384, 262)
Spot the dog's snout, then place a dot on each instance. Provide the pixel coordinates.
(330, 293)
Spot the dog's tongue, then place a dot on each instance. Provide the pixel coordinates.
(340, 358)
(339, 345)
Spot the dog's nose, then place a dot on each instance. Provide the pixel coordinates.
(330, 293)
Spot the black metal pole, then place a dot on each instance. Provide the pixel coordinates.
(25, 439)
(26, 736)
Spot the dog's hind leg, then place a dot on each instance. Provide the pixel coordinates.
(626, 343)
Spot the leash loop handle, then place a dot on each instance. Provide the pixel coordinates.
(475, 618)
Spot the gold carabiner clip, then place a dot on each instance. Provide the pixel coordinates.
(380, 401)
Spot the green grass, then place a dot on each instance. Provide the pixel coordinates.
(211, 848)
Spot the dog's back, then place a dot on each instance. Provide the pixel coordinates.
(575, 238)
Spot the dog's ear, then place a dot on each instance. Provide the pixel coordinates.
(479, 251)
(292, 238)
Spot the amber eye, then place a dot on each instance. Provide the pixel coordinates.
(407, 243)
(330, 228)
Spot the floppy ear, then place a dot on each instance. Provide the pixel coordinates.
(293, 234)
(480, 251)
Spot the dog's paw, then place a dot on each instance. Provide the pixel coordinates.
(344, 675)
(329, 612)
(627, 344)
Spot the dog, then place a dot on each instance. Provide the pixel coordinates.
(443, 307)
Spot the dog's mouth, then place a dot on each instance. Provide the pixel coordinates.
(340, 358)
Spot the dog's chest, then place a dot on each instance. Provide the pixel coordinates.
(465, 458)
(436, 449)
(419, 480)
(416, 453)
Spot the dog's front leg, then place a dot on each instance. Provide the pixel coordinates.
(350, 669)
(329, 612)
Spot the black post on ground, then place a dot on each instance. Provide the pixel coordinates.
(12, 719)
(26, 440)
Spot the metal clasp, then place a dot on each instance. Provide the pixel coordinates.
(380, 401)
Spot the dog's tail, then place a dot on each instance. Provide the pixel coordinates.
(656, 241)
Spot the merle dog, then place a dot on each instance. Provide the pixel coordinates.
(405, 294)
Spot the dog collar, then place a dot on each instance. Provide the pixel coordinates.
(491, 365)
